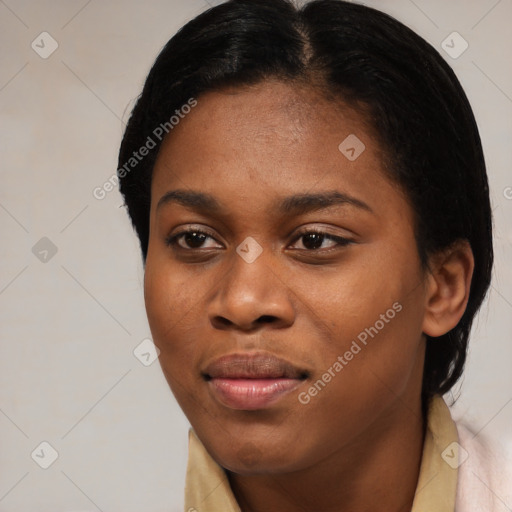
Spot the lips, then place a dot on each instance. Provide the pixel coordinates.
(253, 366)
(252, 381)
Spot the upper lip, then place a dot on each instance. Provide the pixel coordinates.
(253, 366)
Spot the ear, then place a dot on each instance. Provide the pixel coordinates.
(448, 285)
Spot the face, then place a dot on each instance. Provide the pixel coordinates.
(283, 285)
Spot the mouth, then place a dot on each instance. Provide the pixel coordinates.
(252, 381)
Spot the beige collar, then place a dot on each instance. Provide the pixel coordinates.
(207, 487)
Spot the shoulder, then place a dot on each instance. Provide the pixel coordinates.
(485, 473)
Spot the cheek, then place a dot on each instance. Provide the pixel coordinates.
(171, 311)
(370, 375)
(374, 313)
(171, 304)
(353, 296)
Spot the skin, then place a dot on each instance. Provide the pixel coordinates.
(358, 442)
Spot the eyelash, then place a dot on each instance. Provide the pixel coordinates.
(172, 240)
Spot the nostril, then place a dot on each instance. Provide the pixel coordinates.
(220, 321)
(265, 319)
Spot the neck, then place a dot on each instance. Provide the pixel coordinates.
(380, 467)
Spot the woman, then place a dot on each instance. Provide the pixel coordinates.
(310, 194)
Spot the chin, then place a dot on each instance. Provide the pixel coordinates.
(246, 466)
(252, 458)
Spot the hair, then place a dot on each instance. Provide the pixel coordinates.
(362, 57)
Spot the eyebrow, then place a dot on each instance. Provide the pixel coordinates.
(190, 199)
(303, 203)
(292, 205)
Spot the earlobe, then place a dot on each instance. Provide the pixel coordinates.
(448, 288)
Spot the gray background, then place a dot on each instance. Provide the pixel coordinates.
(70, 321)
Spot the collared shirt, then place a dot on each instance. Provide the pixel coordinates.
(207, 487)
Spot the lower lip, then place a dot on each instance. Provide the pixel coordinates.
(251, 394)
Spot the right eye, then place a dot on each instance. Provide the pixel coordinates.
(189, 240)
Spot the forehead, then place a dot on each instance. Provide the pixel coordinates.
(269, 140)
(276, 108)
(267, 118)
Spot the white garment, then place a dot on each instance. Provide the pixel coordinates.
(484, 481)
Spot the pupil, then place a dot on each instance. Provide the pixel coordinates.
(313, 240)
(195, 239)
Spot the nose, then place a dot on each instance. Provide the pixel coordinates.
(251, 295)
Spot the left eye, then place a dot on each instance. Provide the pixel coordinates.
(313, 240)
